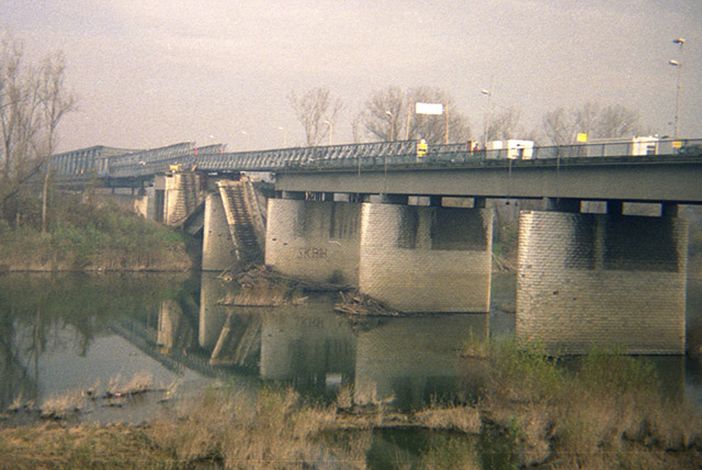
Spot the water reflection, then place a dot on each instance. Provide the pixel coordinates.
(62, 332)
(56, 331)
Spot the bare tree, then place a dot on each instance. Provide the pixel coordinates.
(389, 114)
(557, 127)
(33, 101)
(384, 114)
(504, 125)
(317, 111)
(19, 103)
(55, 103)
(617, 121)
(12, 100)
(561, 126)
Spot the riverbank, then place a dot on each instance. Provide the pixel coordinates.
(605, 411)
(86, 237)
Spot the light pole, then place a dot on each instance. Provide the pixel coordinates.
(488, 113)
(391, 135)
(331, 130)
(285, 135)
(246, 135)
(678, 65)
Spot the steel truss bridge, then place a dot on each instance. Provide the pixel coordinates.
(130, 168)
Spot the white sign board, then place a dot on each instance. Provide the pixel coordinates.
(429, 108)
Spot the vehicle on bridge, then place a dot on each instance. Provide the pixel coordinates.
(617, 147)
(512, 149)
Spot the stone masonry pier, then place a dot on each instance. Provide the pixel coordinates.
(609, 281)
(414, 258)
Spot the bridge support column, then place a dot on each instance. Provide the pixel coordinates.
(182, 194)
(426, 259)
(610, 281)
(218, 251)
(314, 240)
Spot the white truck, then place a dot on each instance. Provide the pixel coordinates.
(622, 147)
(512, 149)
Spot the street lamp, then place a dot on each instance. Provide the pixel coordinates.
(392, 125)
(246, 134)
(331, 130)
(488, 114)
(678, 65)
(285, 135)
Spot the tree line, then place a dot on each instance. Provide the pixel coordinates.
(389, 114)
(34, 99)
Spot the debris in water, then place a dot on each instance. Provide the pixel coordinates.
(355, 303)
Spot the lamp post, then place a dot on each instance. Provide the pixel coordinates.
(391, 135)
(285, 135)
(488, 113)
(678, 65)
(248, 143)
(331, 130)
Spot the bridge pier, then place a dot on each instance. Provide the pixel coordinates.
(218, 250)
(426, 259)
(602, 280)
(314, 240)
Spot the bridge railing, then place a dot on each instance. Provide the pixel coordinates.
(103, 162)
(149, 161)
(461, 153)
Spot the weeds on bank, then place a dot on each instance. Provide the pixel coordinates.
(606, 406)
(81, 235)
(274, 430)
(51, 445)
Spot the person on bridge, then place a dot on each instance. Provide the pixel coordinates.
(422, 148)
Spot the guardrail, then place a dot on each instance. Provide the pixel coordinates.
(460, 153)
(143, 163)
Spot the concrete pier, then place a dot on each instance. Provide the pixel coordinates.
(426, 259)
(218, 250)
(602, 280)
(314, 240)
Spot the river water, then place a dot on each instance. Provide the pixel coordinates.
(67, 332)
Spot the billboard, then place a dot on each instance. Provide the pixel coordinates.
(429, 108)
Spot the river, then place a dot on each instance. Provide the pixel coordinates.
(66, 332)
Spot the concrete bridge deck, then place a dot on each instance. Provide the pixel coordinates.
(659, 178)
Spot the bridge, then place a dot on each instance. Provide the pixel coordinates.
(386, 220)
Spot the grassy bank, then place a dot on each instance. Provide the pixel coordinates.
(601, 411)
(85, 237)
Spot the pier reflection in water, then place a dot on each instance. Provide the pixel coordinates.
(65, 332)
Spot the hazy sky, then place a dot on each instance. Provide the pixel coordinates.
(151, 73)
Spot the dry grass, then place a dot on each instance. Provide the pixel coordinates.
(275, 430)
(344, 397)
(19, 403)
(456, 418)
(140, 382)
(62, 406)
(50, 446)
(597, 413)
(606, 413)
(222, 428)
